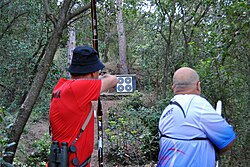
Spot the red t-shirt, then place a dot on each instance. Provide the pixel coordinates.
(70, 106)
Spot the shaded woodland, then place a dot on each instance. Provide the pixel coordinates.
(149, 38)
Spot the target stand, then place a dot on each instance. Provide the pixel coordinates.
(126, 83)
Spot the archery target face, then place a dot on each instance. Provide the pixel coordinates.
(125, 84)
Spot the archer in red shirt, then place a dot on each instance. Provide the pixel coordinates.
(72, 103)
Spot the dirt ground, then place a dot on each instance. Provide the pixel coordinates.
(36, 130)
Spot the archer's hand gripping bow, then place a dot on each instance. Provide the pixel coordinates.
(99, 107)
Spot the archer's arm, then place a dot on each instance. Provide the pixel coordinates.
(229, 146)
(108, 81)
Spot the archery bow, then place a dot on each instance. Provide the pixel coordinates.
(99, 106)
(218, 110)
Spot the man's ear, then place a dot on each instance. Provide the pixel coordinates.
(173, 87)
(92, 74)
(199, 86)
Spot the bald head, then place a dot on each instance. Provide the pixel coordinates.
(186, 81)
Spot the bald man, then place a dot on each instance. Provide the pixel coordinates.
(190, 128)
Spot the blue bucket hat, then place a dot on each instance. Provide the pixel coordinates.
(85, 60)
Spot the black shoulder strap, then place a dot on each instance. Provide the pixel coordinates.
(176, 103)
(196, 138)
(86, 162)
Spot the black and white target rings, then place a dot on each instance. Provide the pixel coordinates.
(126, 83)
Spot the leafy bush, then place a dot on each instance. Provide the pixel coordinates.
(40, 156)
(132, 136)
(5, 125)
(227, 83)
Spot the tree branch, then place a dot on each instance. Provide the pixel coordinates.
(76, 18)
(199, 20)
(196, 9)
(49, 14)
(78, 11)
(202, 15)
(10, 23)
(136, 24)
(2, 6)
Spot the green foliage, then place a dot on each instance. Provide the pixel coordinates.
(224, 71)
(5, 125)
(22, 36)
(132, 136)
(40, 155)
(226, 83)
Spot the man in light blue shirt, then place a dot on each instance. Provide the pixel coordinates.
(190, 128)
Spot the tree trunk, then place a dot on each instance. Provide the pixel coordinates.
(71, 45)
(41, 74)
(166, 70)
(122, 39)
(106, 50)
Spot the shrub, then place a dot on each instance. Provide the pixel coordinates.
(5, 124)
(132, 136)
(42, 148)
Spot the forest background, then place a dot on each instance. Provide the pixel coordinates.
(148, 38)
